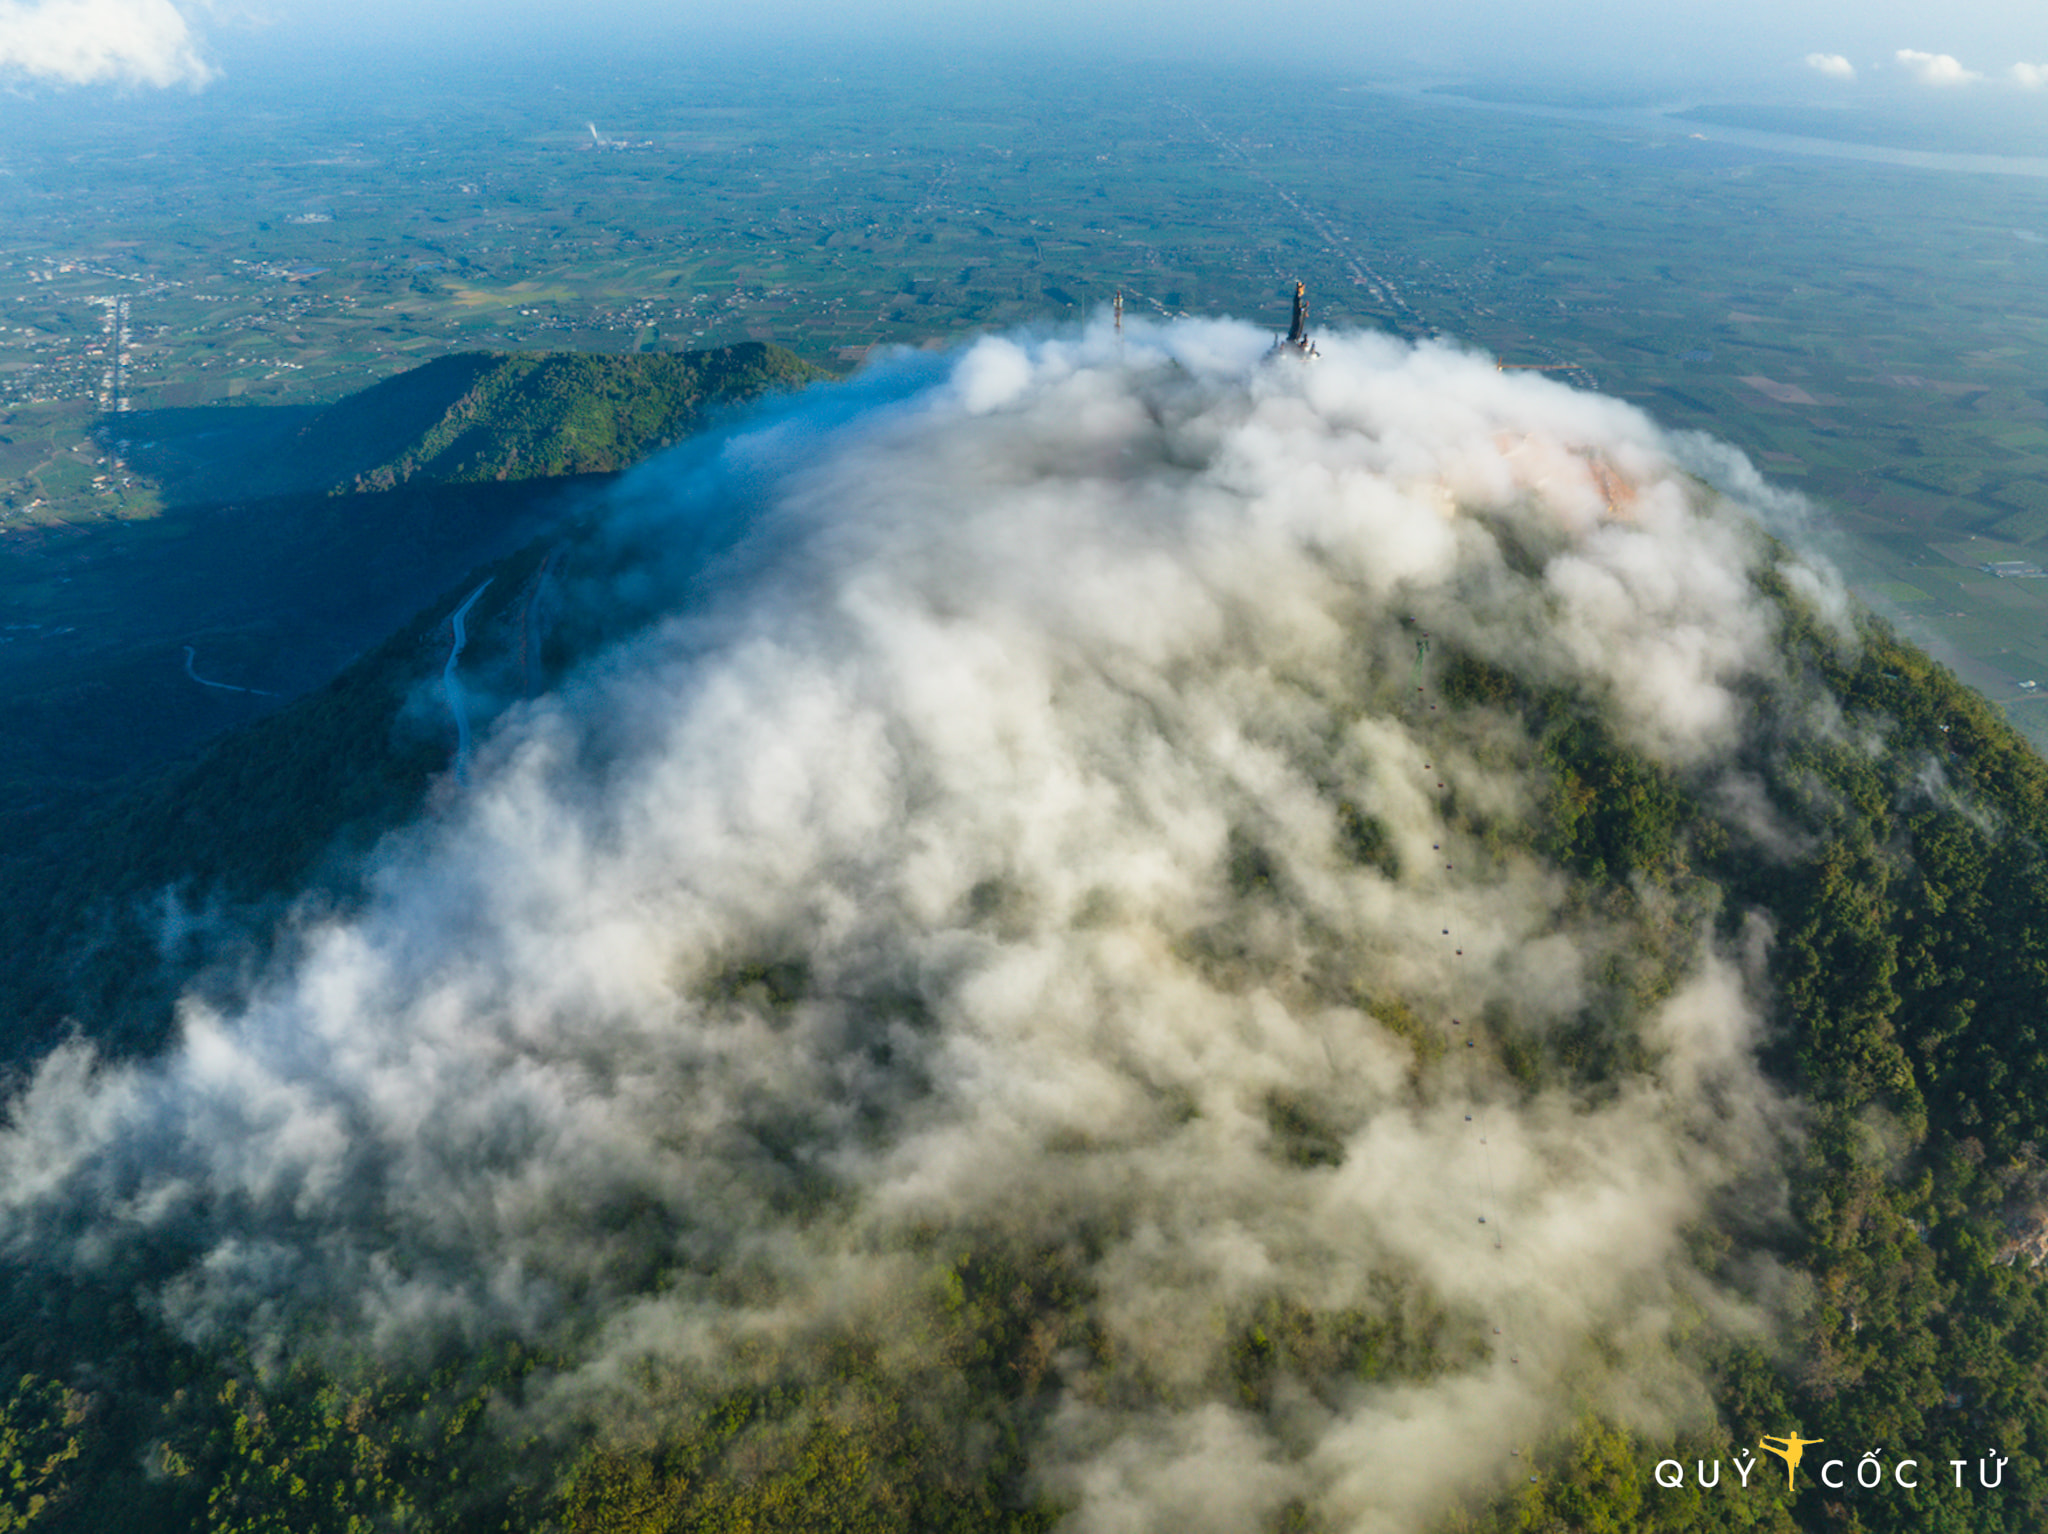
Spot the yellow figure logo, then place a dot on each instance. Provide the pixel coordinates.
(1794, 1448)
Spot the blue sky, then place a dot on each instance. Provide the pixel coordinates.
(1815, 45)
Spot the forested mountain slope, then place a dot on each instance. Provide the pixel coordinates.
(1100, 934)
(465, 418)
(291, 551)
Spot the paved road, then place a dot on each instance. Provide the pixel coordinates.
(223, 686)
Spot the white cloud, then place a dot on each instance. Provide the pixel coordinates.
(906, 862)
(1936, 68)
(1831, 64)
(2032, 76)
(82, 42)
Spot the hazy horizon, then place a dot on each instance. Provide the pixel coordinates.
(1822, 49)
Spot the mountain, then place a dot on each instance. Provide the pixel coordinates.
(270, 808)
(466, 418)
(478, 416)
(1070, 937)
(291, 541)
(220, 653)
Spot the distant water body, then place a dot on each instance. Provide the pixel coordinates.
(1666, 120)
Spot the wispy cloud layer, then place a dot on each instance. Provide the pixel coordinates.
(83, 42)
(981, 844)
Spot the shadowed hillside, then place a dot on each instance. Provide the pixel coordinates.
(286, 799)
(476, 417)
(161, 636)
(292, 542)
(461, 419)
